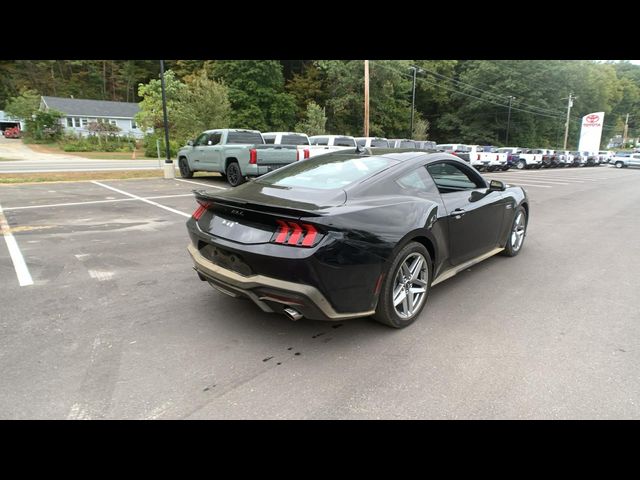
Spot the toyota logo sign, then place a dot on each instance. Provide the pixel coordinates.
(592, 118)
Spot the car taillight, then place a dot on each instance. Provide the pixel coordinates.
(306, 153)
(478, 156)
(253, 156)
(202, 207)
(295, 234)
(497, 157)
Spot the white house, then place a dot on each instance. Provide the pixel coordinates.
(80, 112)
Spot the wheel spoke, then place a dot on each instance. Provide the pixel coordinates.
(416, 268)
(400, 297)
(419, 281)
(411, 299)
(405, 270)
(405, 306)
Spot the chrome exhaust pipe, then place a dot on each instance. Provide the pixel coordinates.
(292, 314)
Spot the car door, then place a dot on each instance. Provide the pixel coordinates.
(634, 160)
(197, 149)
(211, 152)
(475, 215)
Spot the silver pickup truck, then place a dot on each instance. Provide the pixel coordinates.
(620, 161)
(234, 153)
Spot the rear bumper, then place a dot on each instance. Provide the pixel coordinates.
(270, 294)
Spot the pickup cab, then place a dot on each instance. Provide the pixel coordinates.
(633, 160)
(402, 143)
(331, 143)
(300, 140)
(367, 142)
(234, 153)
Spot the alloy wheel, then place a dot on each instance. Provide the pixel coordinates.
(517, 232)
(410, 285)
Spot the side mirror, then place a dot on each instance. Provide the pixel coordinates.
(190, 143)
(496, 186)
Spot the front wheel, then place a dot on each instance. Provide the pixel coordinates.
(405, 288)
(185, 171)
(619, 165)
(517, 233)
(521, 165)
(234, 175)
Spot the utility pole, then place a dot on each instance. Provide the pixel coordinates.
(626, 130)
(566, 125)
(366, 98)
(413, 100)
(169, 171)
(511, 98)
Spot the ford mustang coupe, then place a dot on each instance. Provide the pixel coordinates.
(346, 235)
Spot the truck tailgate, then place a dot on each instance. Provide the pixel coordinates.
(276, 155)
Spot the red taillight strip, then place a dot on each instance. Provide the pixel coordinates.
(310, 237)
(199, 211)
(295, 236)
(282, 233)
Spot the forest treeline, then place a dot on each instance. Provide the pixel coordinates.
(455, 100)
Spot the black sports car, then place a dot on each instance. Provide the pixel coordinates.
(347, 235)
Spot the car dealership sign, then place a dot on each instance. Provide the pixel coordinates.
(591, 132)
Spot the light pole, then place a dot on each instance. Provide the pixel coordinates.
(511, 98)
(169, 171)
(413, 99)
(366, 98)
(566, 126)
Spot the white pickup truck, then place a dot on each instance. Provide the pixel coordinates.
(566, 158)
(523, 157)
(487, 158)
(300, 140)
(331, 143)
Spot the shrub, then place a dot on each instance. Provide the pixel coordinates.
(150, 148)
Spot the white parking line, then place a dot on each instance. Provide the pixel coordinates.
(122, 192)
(529, 185)
(24, 277)
(96, 201)
(200, 183)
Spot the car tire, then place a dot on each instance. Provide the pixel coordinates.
(234, 175)
(403, 315)
(619, 164)
(185, 171)
(517, 233)
(521, 165)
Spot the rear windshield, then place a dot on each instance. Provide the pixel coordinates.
(407, 144)
(376, 142)
(294, 140)
(320, 141)
(328, 172)
(344, 142)
(361, 142)
(245, 137)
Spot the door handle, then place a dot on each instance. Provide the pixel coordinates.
(458, 212)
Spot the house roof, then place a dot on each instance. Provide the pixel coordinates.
(91, 108)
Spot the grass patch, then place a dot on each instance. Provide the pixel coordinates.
(54, 148)
(11, 178)
(2, 159)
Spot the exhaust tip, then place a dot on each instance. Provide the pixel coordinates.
(292, 314)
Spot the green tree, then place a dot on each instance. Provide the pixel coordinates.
(314, 122)
(206, 105)
(44, 126)
(24, 105)
(256, 93)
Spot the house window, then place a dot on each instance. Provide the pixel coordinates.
(113, 122)
(77, 123)
(69, 122)
(85, 121)
(133, 124)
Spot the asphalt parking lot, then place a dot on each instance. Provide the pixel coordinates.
(108, 320)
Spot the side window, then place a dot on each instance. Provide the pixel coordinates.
(450, 177)
(320, 141)
(416, 180)
(214, 138)
(271, 139)
(202, 139)
(361, 142)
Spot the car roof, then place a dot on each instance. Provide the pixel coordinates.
(284, 133)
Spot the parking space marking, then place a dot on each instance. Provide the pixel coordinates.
(200, 183)
(529, 185)
(20, 266)
(122, 192)
(97, 201)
